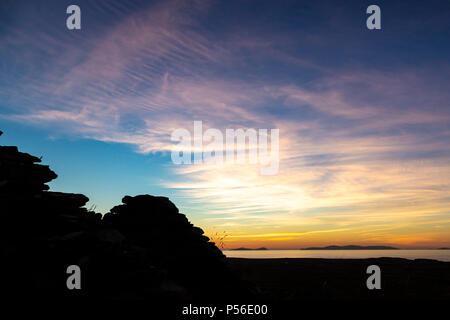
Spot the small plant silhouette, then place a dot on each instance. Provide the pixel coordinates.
(219, 239)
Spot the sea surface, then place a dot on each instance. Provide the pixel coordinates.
(442, 255)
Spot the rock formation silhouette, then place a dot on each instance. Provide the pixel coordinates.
(143, 248)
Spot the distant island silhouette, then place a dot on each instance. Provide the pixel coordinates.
(351, 247)
(244, 249)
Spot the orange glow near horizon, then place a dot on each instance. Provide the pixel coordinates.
(368, 201)
(289, 241)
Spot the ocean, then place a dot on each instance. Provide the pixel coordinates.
(442, 255)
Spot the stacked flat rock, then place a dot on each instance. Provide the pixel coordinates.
(176, 245)
(38, 227)
(26, 206)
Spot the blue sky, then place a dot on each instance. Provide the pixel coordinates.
(363, 114)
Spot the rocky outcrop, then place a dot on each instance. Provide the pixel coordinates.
(173, 244)
(143, 248)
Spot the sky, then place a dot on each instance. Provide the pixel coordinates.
(363, 115)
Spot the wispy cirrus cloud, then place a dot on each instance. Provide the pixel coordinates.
(362, 141)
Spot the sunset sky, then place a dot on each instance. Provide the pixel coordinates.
(363, 114)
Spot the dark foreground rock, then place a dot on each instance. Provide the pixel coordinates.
(142, 249)
(194, 266)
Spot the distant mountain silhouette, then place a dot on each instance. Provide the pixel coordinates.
(351, 247)
(143, 248)
(243, 249)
